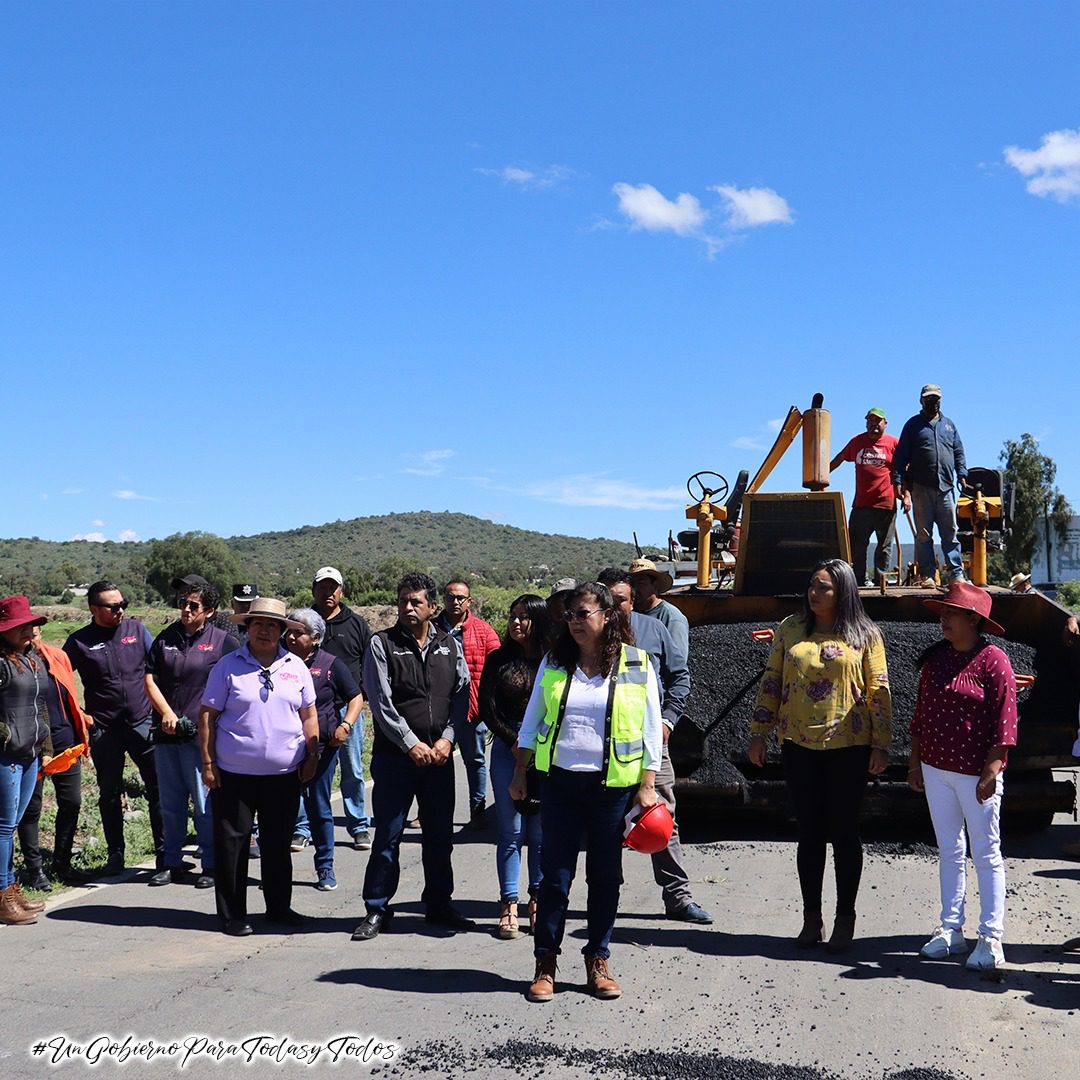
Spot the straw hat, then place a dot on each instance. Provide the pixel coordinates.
(964, 596)
(645, 567)
(1018, 579)
(266, 607)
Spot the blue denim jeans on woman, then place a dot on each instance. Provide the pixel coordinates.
(353, 794)
(17, 782)
(932, 507)
(179, 776)
(320, 816)
(576, 811)
(514, 829)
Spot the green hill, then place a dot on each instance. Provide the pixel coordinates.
(442, 543)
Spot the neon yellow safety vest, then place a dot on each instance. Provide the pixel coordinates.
(624, 718)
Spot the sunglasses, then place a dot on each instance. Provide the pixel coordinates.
(581, 613)
(114, 608)
(264, 677)
(193, 604)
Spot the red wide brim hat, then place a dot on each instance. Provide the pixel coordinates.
(964, 596)
(15, 611)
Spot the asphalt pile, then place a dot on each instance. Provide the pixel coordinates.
(726, 665)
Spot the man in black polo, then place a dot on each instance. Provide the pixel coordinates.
(109, 653)
(417, 684)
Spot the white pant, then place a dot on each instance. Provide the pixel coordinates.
(952, 801)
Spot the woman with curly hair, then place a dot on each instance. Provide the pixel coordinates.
(826, 690)
(592, 728)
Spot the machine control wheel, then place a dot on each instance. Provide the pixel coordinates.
(699, 491)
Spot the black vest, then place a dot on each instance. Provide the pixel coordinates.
(421, 688)
(24, 721)
(320, 665)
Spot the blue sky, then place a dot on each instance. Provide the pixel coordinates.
(275, 264)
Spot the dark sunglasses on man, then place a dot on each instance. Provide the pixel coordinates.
(114, 608)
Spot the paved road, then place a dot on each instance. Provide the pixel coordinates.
(122, 959)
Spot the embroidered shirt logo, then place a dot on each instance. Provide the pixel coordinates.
(129, 640)
(207, 646)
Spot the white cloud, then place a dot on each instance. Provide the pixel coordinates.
(775, 425)
(749, 207)
(1054, 169)
(97, 522)
(127, 535)
(547, 177)
(596, 489)
(648, 209)
(429, 463)
(129, 495)
(93, 537)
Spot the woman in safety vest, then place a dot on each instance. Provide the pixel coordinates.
(592, 728)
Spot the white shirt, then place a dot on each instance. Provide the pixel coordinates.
(581, 739)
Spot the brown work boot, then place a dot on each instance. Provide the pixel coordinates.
(11, 912)
(543, 984)
(33, 906)
(601, 983)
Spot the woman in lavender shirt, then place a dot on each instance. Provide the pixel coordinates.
(259, 740)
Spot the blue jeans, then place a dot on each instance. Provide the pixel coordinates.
(17, 782)
(472, 742)
(179, 776)
(352, 779)
(316, 811)
(350, 754)
(396, 781)
(576, 809)
(932, 507)
(514, 829)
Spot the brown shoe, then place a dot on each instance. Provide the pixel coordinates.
(543, 984)
(33, 906)
(508, 920)
(11, 912)
(601, 983)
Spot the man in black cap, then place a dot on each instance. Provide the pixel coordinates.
(242, 597)
(928, 466)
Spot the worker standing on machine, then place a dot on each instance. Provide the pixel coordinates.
(928, 466)
(874, 509)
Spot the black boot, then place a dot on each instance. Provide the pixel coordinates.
(813, 929)
(842, 933)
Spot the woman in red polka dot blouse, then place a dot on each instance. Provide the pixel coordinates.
(964, 724)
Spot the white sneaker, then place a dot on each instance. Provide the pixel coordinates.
(943, 942)
(988, 955)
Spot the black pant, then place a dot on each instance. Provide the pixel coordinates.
(396, 781)
(108, 747)
(276, 800)
(827, 788)
(68, 789)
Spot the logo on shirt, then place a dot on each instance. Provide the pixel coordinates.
(130, 640)
(206, 647)
(288, 675)
(316, 670)
(442, 650)
(872, 457)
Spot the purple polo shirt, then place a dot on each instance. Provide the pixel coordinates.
(259, 731)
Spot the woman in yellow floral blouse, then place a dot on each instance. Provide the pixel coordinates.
(826, 689)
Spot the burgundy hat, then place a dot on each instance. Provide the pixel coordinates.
(15, 611)
(967, 597)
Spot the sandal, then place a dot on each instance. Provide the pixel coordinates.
(508, 920)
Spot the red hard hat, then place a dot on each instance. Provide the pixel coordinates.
(652, 830)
